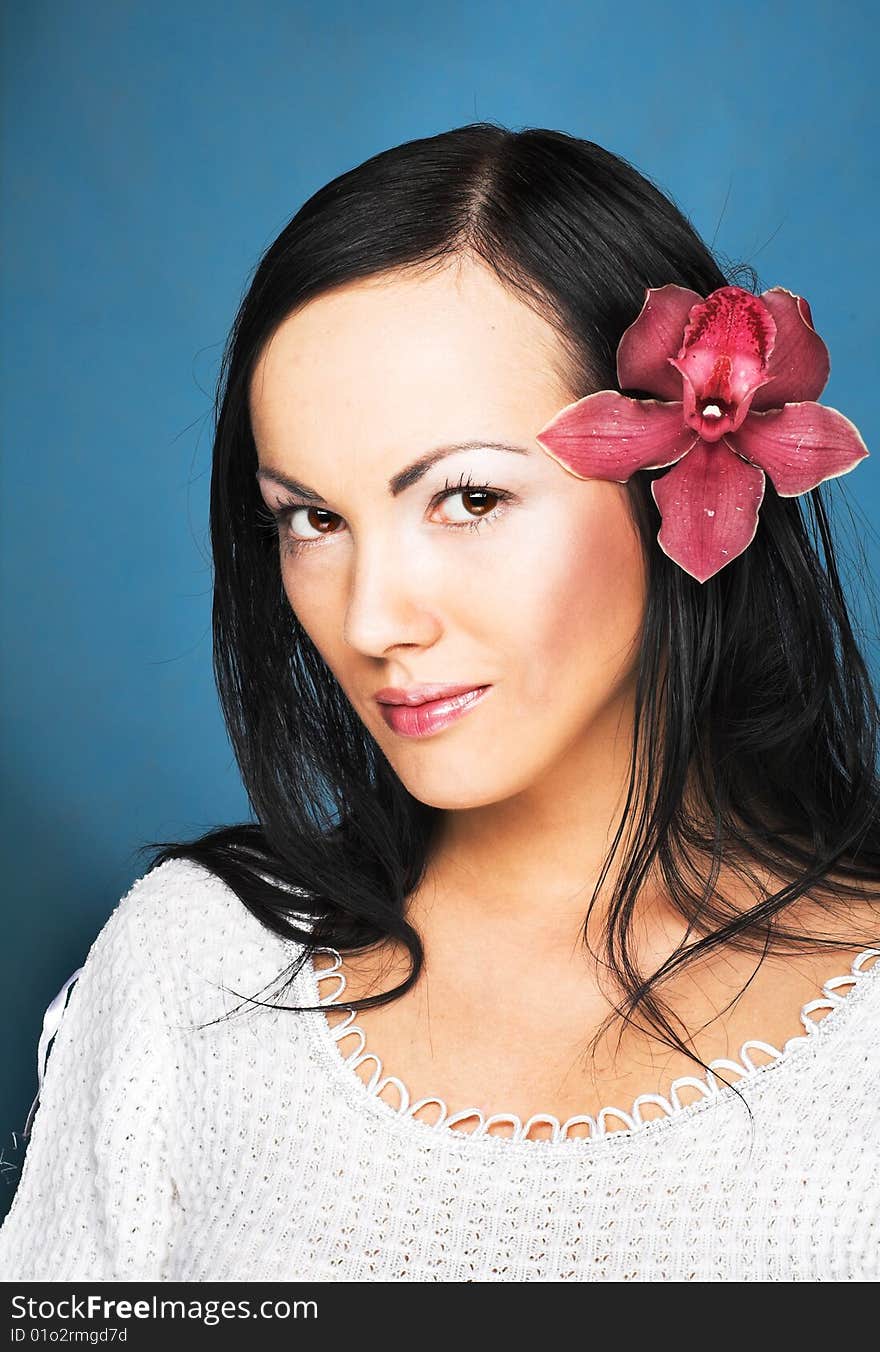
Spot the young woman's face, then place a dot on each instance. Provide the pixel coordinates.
(409, 564)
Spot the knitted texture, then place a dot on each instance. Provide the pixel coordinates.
(251, 1150)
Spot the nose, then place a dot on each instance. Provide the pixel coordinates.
(391, 600)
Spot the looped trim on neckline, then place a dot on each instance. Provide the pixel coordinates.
(708, 1086)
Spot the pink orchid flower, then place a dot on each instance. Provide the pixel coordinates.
(734, 378)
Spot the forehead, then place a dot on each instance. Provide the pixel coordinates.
(406, 358)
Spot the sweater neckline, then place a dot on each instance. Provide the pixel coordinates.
(709, 1086)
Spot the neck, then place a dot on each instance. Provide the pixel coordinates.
(526, 866)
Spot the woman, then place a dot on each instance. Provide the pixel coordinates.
(564, 971)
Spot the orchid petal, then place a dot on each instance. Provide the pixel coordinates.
(799, 445)
(609, 436)
(644, 350)
(724, 358)
(799, 363)
(709, 504)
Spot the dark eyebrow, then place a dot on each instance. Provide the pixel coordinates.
(405, 478)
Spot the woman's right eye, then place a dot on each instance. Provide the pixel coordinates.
(320, 519)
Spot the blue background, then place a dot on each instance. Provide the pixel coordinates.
(150, 152)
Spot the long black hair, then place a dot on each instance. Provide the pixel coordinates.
(751, 687)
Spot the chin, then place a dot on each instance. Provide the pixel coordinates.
(460, 787)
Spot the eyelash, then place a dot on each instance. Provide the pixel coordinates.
(278, 516)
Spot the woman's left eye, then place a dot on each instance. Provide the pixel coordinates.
(478, 503)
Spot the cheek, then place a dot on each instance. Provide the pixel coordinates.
(317, 601)
(578, 599)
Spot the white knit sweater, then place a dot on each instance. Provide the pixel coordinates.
(252, 1151)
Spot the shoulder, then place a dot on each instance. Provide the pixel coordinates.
(183, 932)
(182, 900)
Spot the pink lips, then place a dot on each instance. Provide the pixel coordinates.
(426, 709)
